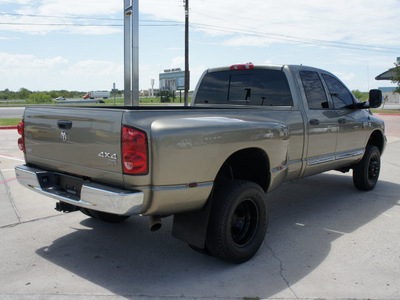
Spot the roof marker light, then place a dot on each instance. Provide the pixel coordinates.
(248, 66)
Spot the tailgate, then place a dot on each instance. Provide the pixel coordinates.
(76, 140)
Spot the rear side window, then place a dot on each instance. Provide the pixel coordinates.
(245, 87)
(340, 95)
(314, 90)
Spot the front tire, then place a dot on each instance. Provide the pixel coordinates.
(238, 221)
(366, 172)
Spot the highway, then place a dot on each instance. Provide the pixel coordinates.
(11, 112)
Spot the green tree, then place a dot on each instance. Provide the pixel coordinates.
(167, 95)
(39, 97)
(23, 93)
(6, 94)
(363, 96)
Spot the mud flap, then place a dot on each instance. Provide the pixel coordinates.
(191, 227)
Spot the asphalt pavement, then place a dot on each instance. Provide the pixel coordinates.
(11, 112)
(325, 240)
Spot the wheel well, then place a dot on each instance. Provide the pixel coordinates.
(248, 164)
(377, 139)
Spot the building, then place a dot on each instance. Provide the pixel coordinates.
(147, 93)
(389, 96)
(388, 92)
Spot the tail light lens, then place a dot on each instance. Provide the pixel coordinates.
(134, 151)
(21, 140)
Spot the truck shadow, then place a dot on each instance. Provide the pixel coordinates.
(305, 218)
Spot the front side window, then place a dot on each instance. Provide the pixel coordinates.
(314, 90)
(340, 95)
(245, 87)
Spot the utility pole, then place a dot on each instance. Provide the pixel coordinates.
(131, 52)
(186, 100)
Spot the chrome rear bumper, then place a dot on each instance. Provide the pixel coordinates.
(89, 195)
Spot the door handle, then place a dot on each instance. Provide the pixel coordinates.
(63, 124)
(342, 121)
(314, 122)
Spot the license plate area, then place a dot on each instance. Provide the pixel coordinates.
(61, 184)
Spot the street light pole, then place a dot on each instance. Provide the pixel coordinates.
(186, 99)
(131, 52)
(135, 53)
(127, 53)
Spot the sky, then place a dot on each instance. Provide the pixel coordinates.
(78, 44)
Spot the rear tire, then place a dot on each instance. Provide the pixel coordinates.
(106, 217)
(366, 172)
(238, 221)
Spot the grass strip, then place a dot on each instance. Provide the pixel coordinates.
(10, 122)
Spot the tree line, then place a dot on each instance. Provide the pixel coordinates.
(46, 96)
(43, 96)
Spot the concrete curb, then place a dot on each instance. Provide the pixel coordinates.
(383, 114)
(8, 127)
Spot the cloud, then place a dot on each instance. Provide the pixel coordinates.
(57, 15)
(346, 77)
(80, 8)
(15, 1)
(244, 41)
(355, 21)
(56, 73)
(178, 62)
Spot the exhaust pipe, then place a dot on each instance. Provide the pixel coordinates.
(155, 222)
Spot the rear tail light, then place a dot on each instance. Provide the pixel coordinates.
(21, 140)
(134, 151)
(248, 66)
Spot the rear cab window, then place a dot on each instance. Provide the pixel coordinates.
(259, 87)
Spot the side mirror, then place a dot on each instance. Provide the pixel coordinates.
(375, 98)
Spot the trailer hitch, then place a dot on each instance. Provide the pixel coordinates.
(65, 207)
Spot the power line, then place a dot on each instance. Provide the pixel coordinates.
(85, 25)
(290, 38)
(82, 18)
(229, 30)
(293, 39)
(58, 17)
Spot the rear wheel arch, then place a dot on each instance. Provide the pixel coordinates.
(250, 164)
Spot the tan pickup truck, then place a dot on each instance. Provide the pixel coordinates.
(248, 130)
